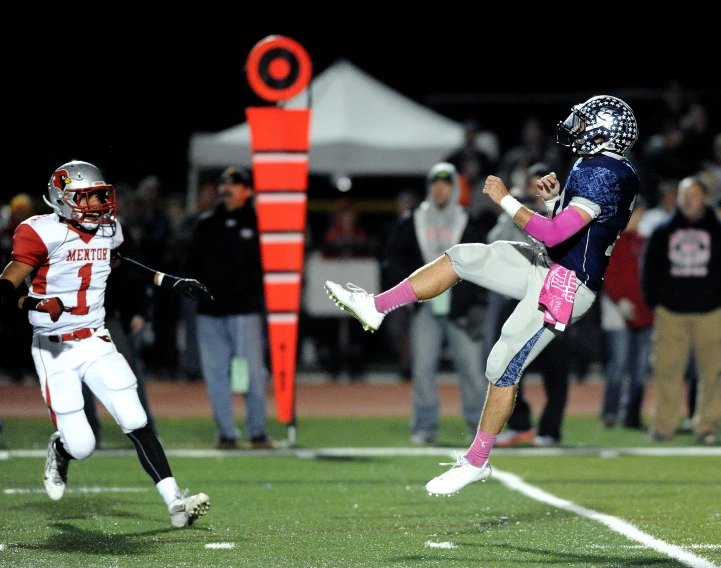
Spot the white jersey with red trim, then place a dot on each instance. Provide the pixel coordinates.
(70, 265)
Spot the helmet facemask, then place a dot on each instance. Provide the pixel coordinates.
(567, 132)
(92, 206)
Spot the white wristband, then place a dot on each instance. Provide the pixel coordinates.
(550, 203)
(159, 278)
(510, 205)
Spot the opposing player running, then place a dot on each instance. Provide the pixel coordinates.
(556, 276)
(65, 258)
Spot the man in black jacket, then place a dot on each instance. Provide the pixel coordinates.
(681, 282)
(225, 251)
(454, 318)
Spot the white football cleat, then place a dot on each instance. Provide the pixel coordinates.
(184, 510)
(357, 302)
(461, 474)
(56, 471)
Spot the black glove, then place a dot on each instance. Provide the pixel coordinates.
(52, 306)
(188, 287)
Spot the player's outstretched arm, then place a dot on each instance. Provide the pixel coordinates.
(549, 231)
(188, 287)
(13, 275)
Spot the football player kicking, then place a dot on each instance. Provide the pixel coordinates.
(65, 258)
(556, 276)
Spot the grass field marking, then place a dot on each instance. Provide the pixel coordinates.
(532, 452)
(381, 452)
(614, 523)
(80, 490)
(431, 544)
(220, 545)
(640, 546)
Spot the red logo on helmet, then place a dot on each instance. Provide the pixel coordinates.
(61, 178)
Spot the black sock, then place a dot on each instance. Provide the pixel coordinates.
(60, 449)
(151, 453)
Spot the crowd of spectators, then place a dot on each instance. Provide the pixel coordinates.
(677, 140)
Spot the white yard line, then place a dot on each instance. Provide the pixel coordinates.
(79, 490)
(640, 546)
(220, 545)
(390, 452)
(614, 523)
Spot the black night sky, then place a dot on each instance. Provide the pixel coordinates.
(132, 111)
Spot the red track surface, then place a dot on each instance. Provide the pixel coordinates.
(323, 399)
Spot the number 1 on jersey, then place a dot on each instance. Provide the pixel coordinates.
(81, 308)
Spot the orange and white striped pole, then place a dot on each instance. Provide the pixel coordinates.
(278, 68)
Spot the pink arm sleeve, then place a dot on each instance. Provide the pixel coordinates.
(554, 231)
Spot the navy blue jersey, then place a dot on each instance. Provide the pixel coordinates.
(613, 185)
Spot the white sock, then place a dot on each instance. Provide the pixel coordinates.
(168, 489)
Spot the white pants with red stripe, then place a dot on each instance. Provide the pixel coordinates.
(63, 366)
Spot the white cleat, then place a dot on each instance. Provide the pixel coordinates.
(461, 474)
(357, 302)
(184, 510)
(56, 471)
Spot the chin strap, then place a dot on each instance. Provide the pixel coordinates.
(612, 154)
(55, 207)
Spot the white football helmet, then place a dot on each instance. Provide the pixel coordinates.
(605, 117)
(77, 192)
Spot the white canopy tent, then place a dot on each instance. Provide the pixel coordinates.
(359, 127)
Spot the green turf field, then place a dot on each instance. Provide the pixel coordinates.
(352, 494)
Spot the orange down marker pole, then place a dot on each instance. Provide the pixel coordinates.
(278, 68)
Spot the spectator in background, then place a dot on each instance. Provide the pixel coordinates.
(345, 238)
(627, 323)
(207, 200)
(345, 346)
(680, 135)
(553, 362)
(474, 162)
(534, 146)
(16, 333)
(681, 279)
(710, 172)
(654, 216)
(586, 358)
(184, 361)
(710, 175)
(131, 207)
(397, 323)
(454, 318)
(650, 219)
(224, 251)
(154, 225)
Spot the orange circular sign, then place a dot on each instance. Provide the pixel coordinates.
(278, 68)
